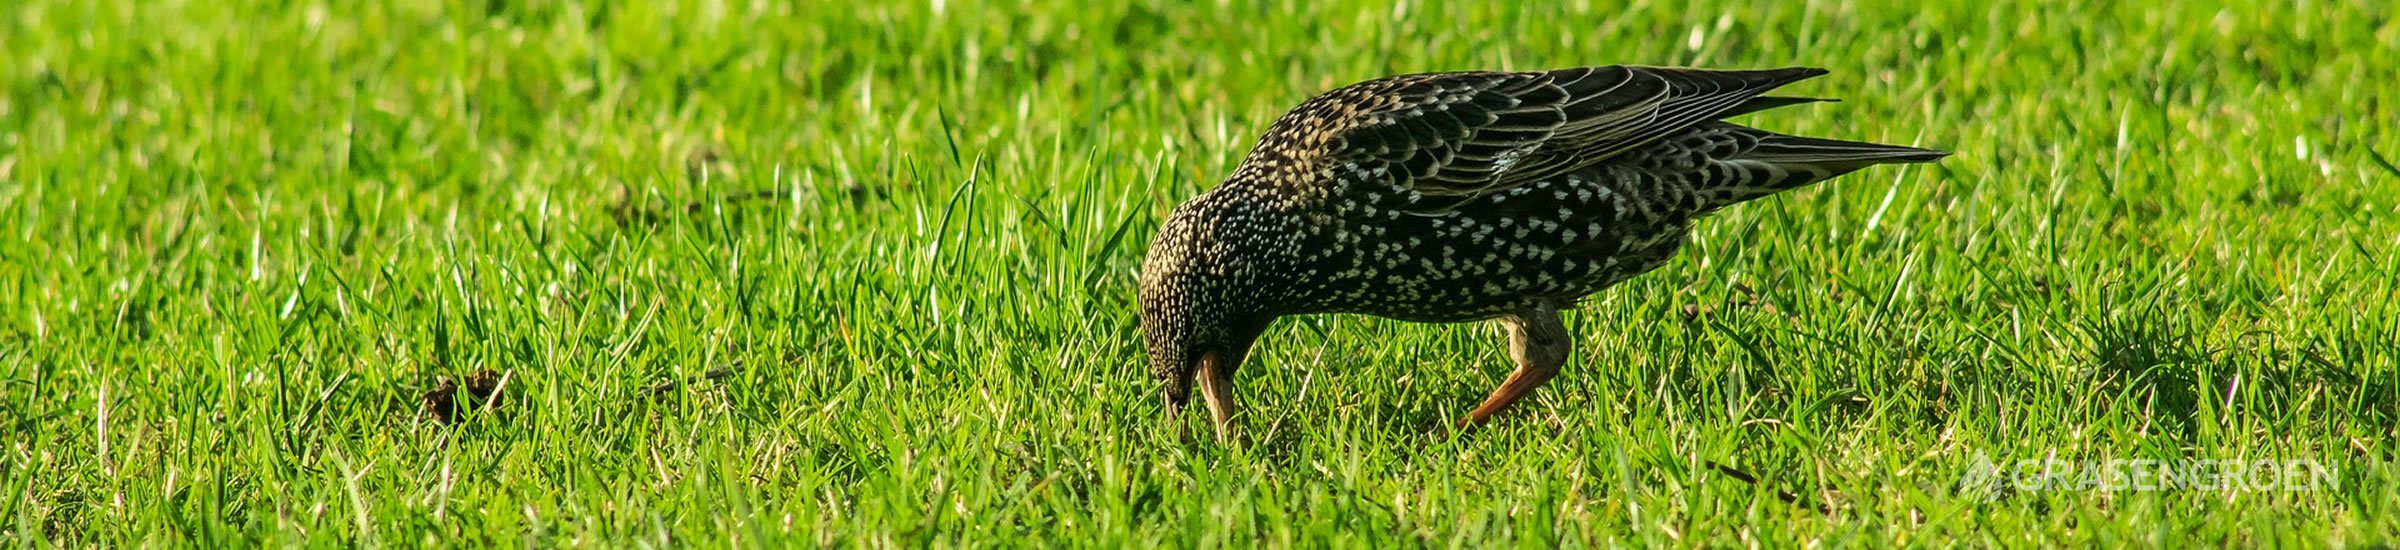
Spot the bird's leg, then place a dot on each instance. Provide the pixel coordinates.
(1539, 343)
(1216, 385)
(1174, 420)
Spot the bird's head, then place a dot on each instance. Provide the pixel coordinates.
(1203, 297)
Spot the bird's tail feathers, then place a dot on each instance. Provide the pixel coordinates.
(1815, 159)
(1836, 156)
(1780, 162)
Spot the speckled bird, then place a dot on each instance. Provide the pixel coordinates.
(1455, 197)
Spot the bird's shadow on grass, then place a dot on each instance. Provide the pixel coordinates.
(1280, 434)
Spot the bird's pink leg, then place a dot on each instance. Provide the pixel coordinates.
(1539, 343)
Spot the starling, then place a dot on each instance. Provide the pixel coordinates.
(1455, 197)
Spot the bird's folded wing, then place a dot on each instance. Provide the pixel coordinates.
(1446, 138)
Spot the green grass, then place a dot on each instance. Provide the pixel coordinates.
(239, 242)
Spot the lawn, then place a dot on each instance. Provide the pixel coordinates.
(856, 274)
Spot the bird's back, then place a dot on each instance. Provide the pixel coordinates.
(1459, 196)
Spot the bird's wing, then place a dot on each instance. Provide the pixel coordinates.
(1446, 138)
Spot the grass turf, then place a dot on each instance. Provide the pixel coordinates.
(240, 241)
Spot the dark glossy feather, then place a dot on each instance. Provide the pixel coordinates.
(1449, 137)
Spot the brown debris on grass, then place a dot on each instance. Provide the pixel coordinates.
(663, 387)
(450, 403)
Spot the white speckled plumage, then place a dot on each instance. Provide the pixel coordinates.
(1451, 197)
